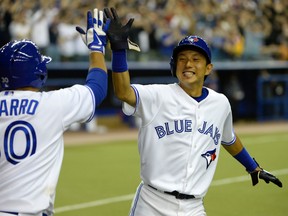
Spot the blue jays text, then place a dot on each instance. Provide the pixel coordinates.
(18, 107)
(184, 126)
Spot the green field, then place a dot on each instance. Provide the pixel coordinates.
(100, 180)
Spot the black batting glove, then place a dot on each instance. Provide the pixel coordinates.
(264, 175)
(117, 33)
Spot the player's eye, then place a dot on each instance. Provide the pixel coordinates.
(182, 59)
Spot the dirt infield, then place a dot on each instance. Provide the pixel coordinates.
(118, 131)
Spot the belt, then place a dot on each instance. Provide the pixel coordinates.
(12, 213)
(16, 213)
(175, 193)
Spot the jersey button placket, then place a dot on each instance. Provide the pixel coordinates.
(198, 121)
(190, 166)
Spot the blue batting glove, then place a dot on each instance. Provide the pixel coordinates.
(95, 36)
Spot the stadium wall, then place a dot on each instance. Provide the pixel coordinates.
(256, 89)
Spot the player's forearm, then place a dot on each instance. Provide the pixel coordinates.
(238, 151)
(122, 88)
(97, 60)
(235, 148)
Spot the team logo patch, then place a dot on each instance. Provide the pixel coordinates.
(209, 156)
(193, 39)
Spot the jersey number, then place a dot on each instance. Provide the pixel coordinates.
(15, 129)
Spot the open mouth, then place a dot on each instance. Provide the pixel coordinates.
(188, 74)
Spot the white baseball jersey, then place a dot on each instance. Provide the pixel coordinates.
(179, 138)
(31, 144)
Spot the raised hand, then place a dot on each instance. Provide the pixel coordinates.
(95, 36)
(117, 33)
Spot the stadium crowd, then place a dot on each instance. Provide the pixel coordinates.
(235, 29)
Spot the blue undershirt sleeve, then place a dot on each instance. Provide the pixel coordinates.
(97, 80)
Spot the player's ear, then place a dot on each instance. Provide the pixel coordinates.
(209, 68)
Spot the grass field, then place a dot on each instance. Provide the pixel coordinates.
(100, 180)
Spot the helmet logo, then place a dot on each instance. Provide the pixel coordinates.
(192, 39)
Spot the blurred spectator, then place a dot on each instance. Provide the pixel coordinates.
(235, 43)
(67, 35)
(81, 52)
(5, 20)
(167, 38)
(254, 34)
(234, 92)
(40, 22)
(53, 48)
(19, 27)
(218, 40)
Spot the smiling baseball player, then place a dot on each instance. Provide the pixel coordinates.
(182, 128)
(33, 122)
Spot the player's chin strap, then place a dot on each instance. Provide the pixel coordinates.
(265, 175)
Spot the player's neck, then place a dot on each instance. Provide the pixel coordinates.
(28, 89)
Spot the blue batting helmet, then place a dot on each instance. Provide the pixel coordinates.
(22, 65)
(190, 42)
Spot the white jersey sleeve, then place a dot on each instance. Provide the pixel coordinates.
(229, 136)
(83, 109)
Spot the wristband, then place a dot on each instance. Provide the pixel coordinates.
(119, 61)
(246, 160)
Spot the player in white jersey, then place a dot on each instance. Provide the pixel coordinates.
(182, 128)
(33, 122)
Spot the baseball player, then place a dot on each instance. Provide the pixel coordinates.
(182, 128)
(33, 122)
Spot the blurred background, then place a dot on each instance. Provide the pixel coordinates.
(248, 38)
